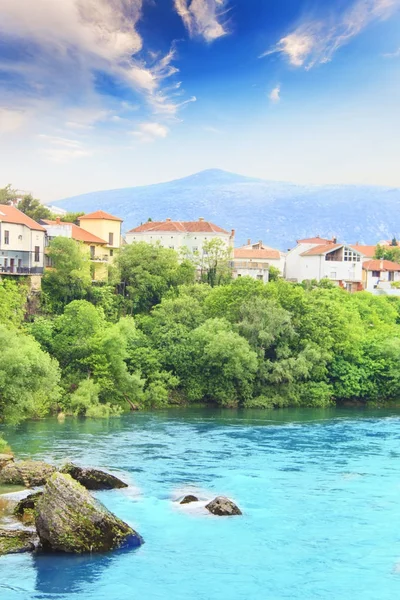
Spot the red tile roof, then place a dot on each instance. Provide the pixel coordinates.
(267, 253)
(368, 251)
(100, 214)
(380, 265)
(315, 240)
(322, 249)
(10, 214)
(183, 226)
(78, 233)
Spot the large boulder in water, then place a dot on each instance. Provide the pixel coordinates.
(93, 479)
(189, 499)
(29, 473)
(223, 507)
(25, 508)
(69, 519)
(13, 541)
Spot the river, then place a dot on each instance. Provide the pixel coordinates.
(320, 493)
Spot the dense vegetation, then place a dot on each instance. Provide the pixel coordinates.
(153, 336)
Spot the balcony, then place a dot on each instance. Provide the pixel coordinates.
(100, 258)
(21, 270)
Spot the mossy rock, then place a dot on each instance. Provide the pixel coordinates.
(25, 509)
(223, 507)
(30, 473)
(5, 459)
(93, 479)
(13, 541)
(69, 519)
(189, 499)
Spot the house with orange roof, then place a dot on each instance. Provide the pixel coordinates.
(22, 243)
(255, 260)
(180, 235)
(381, 274)
(318, 258)
(101, 235)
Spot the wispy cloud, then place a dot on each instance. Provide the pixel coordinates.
(395, 54)
(148, 132)
(203, 18)
(59, 149)
(275, 94)
(11, 119)
(316, 41)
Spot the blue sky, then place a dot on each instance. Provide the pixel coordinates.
(98, 94)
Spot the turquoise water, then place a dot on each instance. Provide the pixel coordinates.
(320, 493)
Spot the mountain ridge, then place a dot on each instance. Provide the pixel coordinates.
(276, 212)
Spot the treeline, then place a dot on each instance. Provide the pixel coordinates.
(153, 336)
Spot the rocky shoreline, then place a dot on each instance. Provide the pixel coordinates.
(64, 517)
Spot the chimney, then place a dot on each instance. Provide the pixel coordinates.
(201, 218)
(381, 265)
(334, 240)
(249, 242)
(233, 233)
(259, 244)
(58, 220)
(168, 220)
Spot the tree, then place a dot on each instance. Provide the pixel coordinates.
(69, 277)
(13, 298)
(8, 195)
(215, 262)
(388, 252)
(29, 378)
(33, 208)
(147, 272)
(71, 217)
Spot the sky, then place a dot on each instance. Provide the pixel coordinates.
(103, 94)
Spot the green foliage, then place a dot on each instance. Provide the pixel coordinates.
(34, 208)
(147, 272)
(71, 217)
(29, 377)
(8, 195)
(388, 252)
(69, 278)
(13, 298)
(214, 262)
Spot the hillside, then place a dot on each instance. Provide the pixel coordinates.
(276, 212)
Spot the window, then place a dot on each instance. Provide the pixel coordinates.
(6, 237)
(5, 263)
(350, 256)
(37, 253)
(260, 277)
(391, 275)
(92, 251)
(195, 249)
(376, 273)
(333, 275)
(111, 252)
(172, 247)
(111, 239)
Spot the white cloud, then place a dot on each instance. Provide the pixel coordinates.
(60, 149)
(316, 41)
(148, 132)
(11, 120)
(395, 54)
(203, 17)
(275, 94)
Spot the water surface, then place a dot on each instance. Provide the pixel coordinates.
(320, 493)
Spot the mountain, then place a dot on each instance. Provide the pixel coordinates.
(275, 212)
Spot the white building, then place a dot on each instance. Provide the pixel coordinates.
(317, 259)
(180, 235)
(22, 243)
(380, 274)
(255, 260)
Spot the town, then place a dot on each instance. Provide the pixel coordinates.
(24, 244)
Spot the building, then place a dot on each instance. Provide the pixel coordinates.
(22, 243)
(318, 258)
(98, 248)
(180, 235)
(255, 260)
(380, 275)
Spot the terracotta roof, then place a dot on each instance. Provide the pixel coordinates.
(184, 226)
(368, 251)
(315, 240)
(78, 233)
(380, 265)
(100, 214)
(269, 253)
(10, 214)
(322, 249)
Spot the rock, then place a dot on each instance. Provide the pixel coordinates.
(5, 459)
(188, 499)
(69, 519)
(25, 509)
(13, 541)
(29, 473)
(93, 479)
(223, 507)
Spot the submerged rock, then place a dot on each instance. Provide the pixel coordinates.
(29, 473)
(13, 541)
(93, 479)
(188, 499)
(223, 507)
(5, 459)
(69, 519)
(25, 509)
